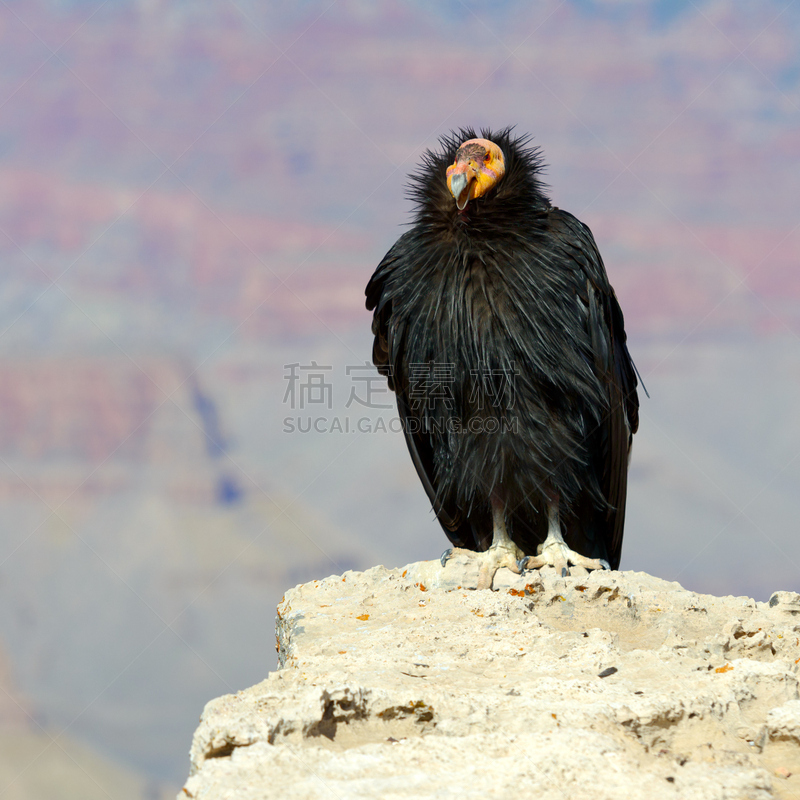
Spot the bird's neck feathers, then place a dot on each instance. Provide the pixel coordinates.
(517, 200)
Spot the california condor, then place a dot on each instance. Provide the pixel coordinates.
(503, 340)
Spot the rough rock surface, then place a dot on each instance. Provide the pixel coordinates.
(407, 683)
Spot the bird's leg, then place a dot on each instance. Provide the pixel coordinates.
(501, 553)
(554, 551)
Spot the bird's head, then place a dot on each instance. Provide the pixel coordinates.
(479, 165)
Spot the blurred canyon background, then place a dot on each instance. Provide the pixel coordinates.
(193, 195)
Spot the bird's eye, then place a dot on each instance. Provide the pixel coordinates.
(488, 157)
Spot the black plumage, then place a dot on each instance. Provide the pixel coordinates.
(503, 340)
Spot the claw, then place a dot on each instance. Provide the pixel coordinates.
(604, 564)
(555, 553)
(522, 563)
(447, 553)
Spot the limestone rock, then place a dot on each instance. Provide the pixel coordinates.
(399, 683)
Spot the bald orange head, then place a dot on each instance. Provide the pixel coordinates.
(479, 165)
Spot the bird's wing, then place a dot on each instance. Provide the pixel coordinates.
(379, 301)
(388, 355)
(612, 364)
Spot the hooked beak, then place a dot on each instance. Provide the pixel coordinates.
(459, 185)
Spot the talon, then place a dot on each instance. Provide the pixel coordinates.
(604, 564)
(447, 553)
(554, 551)
(501, 553)
(522, 563)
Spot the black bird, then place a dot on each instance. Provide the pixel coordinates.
(499, 332)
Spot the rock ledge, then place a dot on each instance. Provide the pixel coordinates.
(400, 683)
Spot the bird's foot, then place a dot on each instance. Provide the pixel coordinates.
(489, 561)
(555, 553)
